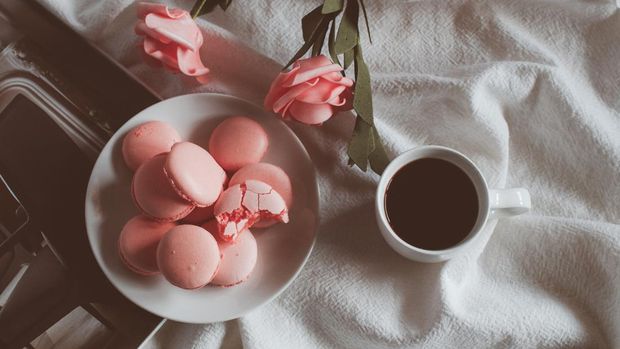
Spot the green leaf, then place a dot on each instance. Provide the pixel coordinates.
(307, 44)
(348, 58)
(378, 158)
(202, 7)
(362, 99)
(366, 20)
(317, 47)
(310, 22)
(348, 35)
(331, 6)
(358, 149)
(330, 43)
(224, 4)
(302, 51)
(365, 147)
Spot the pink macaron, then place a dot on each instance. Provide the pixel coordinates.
(194, 174)
(238, 141)
(138, 241)
(268, 173)
(188, 256)
(242, 205)
(147, 140)
(199, 215)
(238, 257)
(153, 194)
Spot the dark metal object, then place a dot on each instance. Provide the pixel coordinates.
(13, 216)
(60, 100)
(111, 90)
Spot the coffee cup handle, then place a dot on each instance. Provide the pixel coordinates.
(509, 202)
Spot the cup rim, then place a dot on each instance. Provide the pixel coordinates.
(396, 165)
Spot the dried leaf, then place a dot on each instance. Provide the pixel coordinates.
(358, 149)
(202, 7)
(348, 58)
(330, 42)
(302, 51)
(331, 6)
(362, 99)
(366, 19)
(307, 44)
(317, 47)
(310, 22)
(224, 4)
(348, 35)
(378, 158)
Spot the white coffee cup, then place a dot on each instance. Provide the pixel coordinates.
(493, 203)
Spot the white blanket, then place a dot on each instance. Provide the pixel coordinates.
(530, 90)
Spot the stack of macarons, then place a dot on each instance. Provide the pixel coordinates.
(195, 221)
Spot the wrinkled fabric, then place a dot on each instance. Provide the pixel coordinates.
(528, 89)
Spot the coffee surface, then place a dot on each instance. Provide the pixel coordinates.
(431, 204)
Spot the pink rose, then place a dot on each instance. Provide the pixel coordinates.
(311, 92)
(171, 37)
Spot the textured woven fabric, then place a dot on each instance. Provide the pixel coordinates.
(528, 89)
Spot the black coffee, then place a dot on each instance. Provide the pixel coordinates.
(431, 204)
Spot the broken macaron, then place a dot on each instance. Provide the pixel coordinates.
(195, 221)
(242, 205)
(268, 173)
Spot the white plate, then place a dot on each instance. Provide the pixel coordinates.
(282, 249)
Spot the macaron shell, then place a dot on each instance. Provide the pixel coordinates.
(211, 227)
(238, 260)
(242, 205)
(260, 197)
(153, 194)
(147, 140)
(188, 256)
(194, 174)
(238, 141)
(230, 214)
(199, 215)
(138, 241)
(268, 173)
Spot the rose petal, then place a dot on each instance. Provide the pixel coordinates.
(155, 63)
(337, 101)
(338, 79)
(143, 30)
(166, 54)
(321, 93)
(284, 112)
(203, 79)
(183, 31)
(276, 90)
(311, 114)
(347, 100)
(292, 93)
(190, 63)
(144, 8)
(313, 62)
(171, 37)
(306, 75)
